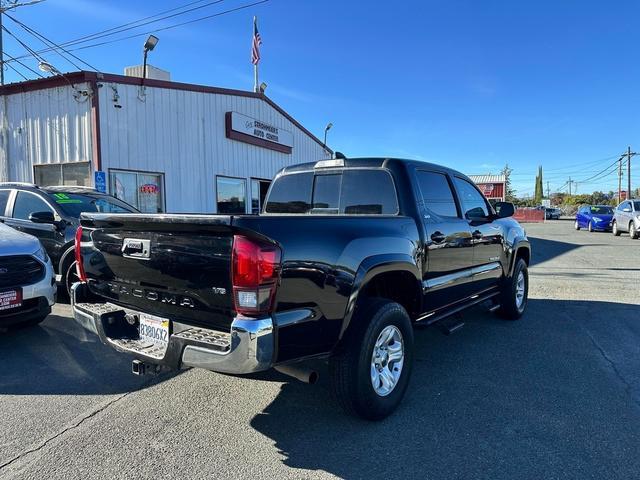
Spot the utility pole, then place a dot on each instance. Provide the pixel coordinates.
(569, 186)
(628, 172)
(620, 180)
(1, 46)
(548, 190)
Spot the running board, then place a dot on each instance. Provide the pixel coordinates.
(434, 317)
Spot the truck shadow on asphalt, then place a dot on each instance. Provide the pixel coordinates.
(59, 357)
(536, 398)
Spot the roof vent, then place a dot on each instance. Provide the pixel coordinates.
(153, 73)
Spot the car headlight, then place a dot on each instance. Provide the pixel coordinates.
(41, 254)
(596, 219)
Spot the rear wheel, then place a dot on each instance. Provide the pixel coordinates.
(614, 229)
(515, 292)
(633, 232)
(370, 372)
(576, 225)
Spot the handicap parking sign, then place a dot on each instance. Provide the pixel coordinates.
(100, 179)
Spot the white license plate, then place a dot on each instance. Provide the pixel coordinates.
(154, 330)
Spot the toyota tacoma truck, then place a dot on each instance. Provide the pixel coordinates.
(346, 258)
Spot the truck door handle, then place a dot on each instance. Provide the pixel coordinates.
(477, 234)
(438, 237)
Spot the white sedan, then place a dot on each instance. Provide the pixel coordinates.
(27, 282)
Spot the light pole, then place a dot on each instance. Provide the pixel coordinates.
(326, 129)
(149, 45)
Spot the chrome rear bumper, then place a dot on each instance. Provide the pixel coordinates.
(247, 348)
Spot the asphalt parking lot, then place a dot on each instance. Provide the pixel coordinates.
(554, 395)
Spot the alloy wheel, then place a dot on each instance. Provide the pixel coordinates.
(387, 360)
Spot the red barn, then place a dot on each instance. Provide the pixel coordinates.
(492, 186)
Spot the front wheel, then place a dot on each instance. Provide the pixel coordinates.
(614, 229)
(515, 292)
(576, 225)
(590, 228)
(370, 372)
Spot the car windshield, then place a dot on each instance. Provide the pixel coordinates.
(602, 210)
(75, 203)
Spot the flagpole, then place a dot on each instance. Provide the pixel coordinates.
(256, 88)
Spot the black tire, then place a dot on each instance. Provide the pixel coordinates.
(590, 227)
(614, 229)
(510, 307)
(633, 232)
(351, 366)
(576, 225)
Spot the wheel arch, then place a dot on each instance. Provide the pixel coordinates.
(378, 271)
(67, 254)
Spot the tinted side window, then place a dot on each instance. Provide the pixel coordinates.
(28, 203)
(436, 193)
(290, 194)
(473, 203)
(4, 198)
(368, 192)
(326, 193)
(636, 206)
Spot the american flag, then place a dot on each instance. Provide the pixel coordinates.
(255, 46)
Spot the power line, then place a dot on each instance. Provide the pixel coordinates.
(135, 24)
(24, 65)
(225, 12)
(46, 41)
(17, 71)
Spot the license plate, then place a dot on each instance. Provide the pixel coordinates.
(10, 299)
(154, 330)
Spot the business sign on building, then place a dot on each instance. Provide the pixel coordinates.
(252, 130)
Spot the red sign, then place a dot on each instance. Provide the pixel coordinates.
(149, 188)
(10, 299)
(529, 215)
(487, 189)
(492, 190)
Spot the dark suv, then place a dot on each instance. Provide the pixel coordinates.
(51, 214)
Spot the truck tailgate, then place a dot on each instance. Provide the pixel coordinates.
(172, 266)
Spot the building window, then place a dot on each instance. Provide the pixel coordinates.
(259, 190)
(76, 174)
(231, 195)
(143, 190)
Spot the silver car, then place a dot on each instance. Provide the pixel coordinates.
(626, 218)
(27, 282)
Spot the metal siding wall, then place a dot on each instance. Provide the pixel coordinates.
(46, 126)
(182, 134)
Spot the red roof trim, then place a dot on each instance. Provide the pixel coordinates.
(84, 76)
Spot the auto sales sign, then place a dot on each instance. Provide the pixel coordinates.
(259, 130)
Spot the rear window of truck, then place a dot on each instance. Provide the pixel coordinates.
(348, 192)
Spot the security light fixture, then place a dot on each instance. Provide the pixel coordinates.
(151, 43)
(48, 68)
(263, 87)
(326, 129)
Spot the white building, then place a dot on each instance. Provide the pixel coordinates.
(158, 145)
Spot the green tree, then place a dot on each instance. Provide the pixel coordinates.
(509, 192)
(539, 190)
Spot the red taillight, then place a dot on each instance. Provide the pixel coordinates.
(254, 274)
(79, 266)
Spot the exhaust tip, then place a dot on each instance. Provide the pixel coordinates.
(305, 375)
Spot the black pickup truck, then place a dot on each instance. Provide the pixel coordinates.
(346, 257)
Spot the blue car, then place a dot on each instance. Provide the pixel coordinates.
(595, 218)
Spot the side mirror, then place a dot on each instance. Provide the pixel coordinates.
(42, 217)
(505, 209)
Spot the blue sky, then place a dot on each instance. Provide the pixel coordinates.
(466, 83)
